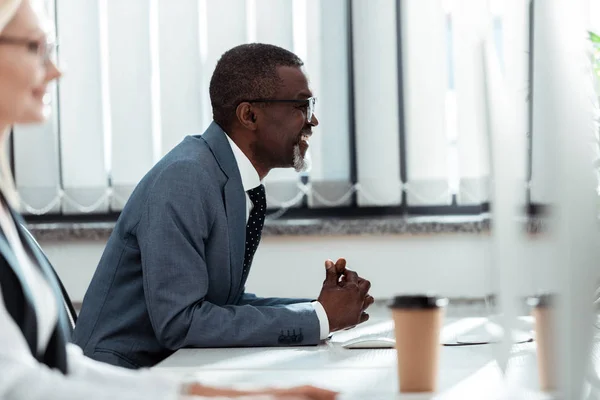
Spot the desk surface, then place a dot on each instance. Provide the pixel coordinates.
(467, 372)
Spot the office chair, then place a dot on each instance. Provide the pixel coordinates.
(68, 305)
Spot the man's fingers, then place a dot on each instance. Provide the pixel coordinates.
(364, 317)
(364, 286)
(340, 265)
(368, 301)
(351, 276)
(331, 275)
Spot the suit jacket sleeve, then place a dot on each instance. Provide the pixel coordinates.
(172, 234)
(253, 300)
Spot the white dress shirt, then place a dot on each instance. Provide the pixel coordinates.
(250, 180)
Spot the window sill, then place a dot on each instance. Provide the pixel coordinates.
(409, 226)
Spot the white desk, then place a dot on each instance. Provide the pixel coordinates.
(468, 372)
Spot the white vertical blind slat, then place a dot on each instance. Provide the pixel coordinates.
(130, 80)
(425, 86)
(330, 174)
(180, 72)
(376, 101)
(82, 127)
(471, 24)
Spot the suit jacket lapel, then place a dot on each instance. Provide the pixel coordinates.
(35, 252)
(11, 260)
(235, 203)
(29, 308)
(29, 316)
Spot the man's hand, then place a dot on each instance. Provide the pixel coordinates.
(344, 296)
(340, 268)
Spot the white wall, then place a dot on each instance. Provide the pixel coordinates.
(455, 265)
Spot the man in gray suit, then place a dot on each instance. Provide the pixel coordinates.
(174, 270)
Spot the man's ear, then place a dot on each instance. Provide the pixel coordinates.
(246, 115)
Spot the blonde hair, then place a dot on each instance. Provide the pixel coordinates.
(8, 8)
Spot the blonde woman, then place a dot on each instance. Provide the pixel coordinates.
(35, 360)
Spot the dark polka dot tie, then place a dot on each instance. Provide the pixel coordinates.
(254, 225)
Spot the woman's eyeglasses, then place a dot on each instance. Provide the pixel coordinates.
(43, 49)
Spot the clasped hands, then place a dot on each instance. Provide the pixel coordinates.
(344, 296)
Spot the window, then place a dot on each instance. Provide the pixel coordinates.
(399, 87)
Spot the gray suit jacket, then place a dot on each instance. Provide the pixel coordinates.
(171, 274)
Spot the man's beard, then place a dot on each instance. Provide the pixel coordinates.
(301, 163)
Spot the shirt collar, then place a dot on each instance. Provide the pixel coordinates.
(250, 178)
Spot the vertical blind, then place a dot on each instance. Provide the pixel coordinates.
(81, 110)
(399, 84)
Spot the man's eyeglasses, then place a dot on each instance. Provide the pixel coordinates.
(308, 103)
(43, 49)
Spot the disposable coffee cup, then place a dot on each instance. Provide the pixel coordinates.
(543, 311)
(417, 326)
